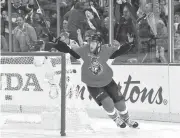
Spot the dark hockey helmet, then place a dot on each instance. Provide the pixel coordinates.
(97, 37)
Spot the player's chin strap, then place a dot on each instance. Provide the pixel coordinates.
(124, 49)
(98, 49)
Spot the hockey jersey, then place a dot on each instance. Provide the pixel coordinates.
(95, 71)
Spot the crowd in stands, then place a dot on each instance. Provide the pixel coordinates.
(31, 20)
(34, 20)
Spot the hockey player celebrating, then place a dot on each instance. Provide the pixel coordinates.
(98, 76)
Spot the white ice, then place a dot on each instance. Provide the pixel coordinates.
(103, 128)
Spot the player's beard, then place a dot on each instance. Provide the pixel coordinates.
(97, 50)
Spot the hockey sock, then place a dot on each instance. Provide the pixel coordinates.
(116, 118)
(123, 113)
(113, 115)
(108, 106)
(121, 107)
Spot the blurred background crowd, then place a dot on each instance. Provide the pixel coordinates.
(144, 20)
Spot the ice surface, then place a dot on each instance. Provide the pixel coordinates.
(103, 128)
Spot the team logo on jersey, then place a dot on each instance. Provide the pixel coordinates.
(96, 68)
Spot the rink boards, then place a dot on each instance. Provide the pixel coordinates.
(151, 91)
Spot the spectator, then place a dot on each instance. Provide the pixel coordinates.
(37, 24)
(105, 29)
(53, 23)
(3, 22)
(105, 12)
(89, 17)
(160, 55)
(177, 36)
(4, 5)
(146, 24)
(161, 29)
(176, 30)
(177, 56)
(151, 18)
(24, 36)
(125, 27)
(20, 7)
(130, 5)
(69, 8)
(141, 10)
(176, 18)
(162, 41)
(164, 11)
(93, 20)
(64, 37)
(5, 25)
(76, 20)
(66, 16)
(4, 45)
(65, 23)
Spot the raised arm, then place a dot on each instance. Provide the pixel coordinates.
(63, 47)
(79, 36)
(122, 50)
(125, 48)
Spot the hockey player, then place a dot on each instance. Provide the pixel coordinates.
(98, 77)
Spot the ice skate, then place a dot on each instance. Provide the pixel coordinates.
(120, 123)
(131, 123)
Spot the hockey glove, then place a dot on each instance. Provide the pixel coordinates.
(63, 47)
(122, 50)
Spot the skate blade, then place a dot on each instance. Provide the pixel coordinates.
(134, 127)
(123, 127)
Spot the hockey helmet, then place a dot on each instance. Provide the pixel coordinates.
(97, 37)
